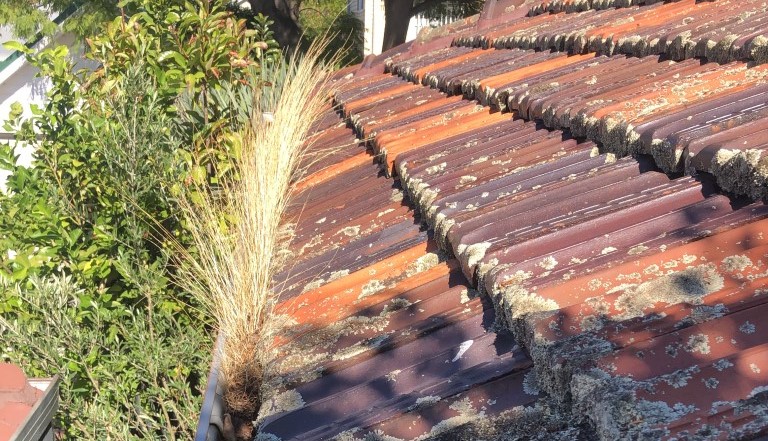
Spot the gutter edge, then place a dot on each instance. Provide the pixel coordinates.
(210, 425)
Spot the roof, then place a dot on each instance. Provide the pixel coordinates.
(17, 398)
(546, 222)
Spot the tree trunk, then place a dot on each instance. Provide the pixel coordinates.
(285, 14)
(397, 14)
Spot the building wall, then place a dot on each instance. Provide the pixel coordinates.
(19, 84)
(371, 13)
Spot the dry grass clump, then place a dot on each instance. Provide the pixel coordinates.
(237, 228)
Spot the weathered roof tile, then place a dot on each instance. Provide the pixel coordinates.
(587, 198)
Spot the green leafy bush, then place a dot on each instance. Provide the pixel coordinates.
(87, 288)
(126, 373)
(324, 18)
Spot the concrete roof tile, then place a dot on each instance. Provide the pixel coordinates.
(584, 203)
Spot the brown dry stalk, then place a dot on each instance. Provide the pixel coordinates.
(238, 236)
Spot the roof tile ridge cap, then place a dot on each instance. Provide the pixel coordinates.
(496, 12)
(373, 63)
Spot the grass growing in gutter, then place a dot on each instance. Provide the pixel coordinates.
(236, 226)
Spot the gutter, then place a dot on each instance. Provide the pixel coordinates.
(37, 426)
(210, 426)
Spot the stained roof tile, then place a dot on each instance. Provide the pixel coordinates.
(570, 247)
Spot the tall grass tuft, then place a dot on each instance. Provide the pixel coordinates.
(236, 226)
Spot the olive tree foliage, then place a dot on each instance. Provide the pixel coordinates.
(29, 18)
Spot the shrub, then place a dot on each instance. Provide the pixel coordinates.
(88, 287)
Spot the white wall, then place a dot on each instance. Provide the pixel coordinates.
(371, 13)
(19, 83)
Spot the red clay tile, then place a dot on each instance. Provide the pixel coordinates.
(17, 398)
(387, 339)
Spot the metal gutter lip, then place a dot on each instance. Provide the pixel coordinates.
(210, 425)
(37, 424)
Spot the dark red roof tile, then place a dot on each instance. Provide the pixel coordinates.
(718, 31)
(637, 294)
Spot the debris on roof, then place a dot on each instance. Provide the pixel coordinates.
(550, 225)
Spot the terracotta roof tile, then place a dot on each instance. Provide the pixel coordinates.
(17, 398)
(721, 31)
(570, 247)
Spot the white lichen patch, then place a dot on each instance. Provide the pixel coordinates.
(548, 263)
(754, 368)
(607, 250)
(747, 327)
(662, 412)
(484, 267)
(757, 390)
(315, 241)
(287, 401)
(518, 277)
(736, 263)
(530, 383)
(710, 383)
(347, 435)
(466, 415)
(437, 156)
(385, 212)
(372, 287)
(653, 269)
(519, 301)
(397, 196)
(679, 378)
(436, 168)
(698, 343)
(392, 376)
(336, 275)
(639, 249)
(317, 283)
(467, 179)
(350, 231)
(321, 220)
(361, 347)
(422, 402)
(689, 286)
(722, 364)
(396, 304)
(472, 254)
(704, 313)
(423, 263)
(467, 294)
(688, 259)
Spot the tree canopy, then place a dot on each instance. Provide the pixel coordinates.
(295, 21)
(287, 15)
(399, 12)
(31, 17)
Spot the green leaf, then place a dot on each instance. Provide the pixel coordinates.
(16, 46)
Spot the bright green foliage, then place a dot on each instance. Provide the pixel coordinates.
(87, 289)
(330, 18)
(127, 374)
(28, 18)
